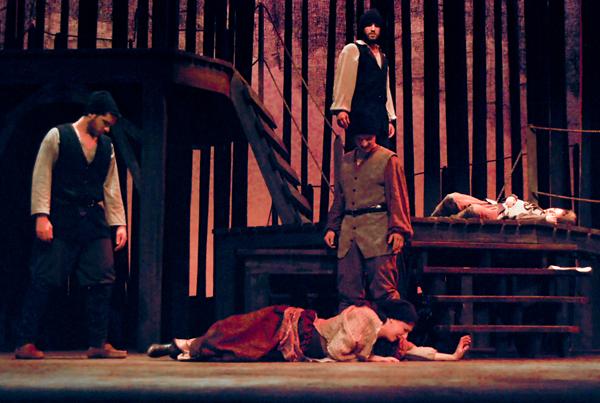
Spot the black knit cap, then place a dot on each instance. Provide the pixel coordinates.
(100, 103)
(398, 309)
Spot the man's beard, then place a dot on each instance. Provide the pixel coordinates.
(370, 41)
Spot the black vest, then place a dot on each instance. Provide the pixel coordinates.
(368, 115)
(77, 187)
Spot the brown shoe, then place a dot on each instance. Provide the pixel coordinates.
(28, 351)
(107, 351)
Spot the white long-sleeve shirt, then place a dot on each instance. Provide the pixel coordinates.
(345, 81)
(41, 185)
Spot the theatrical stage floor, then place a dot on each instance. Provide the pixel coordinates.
(71, 377)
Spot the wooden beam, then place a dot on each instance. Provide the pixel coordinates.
(120, 16)
(326, 161)
(152, 210)
(407, 103)
(87, 29)
(455, 67)
(432, 107)
(479, 176)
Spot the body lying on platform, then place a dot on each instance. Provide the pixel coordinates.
(459, 205)
(281, 332)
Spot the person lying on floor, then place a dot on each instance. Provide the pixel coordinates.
(459, 205)
(285, 333)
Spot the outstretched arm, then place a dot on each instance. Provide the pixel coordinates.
(464, 344)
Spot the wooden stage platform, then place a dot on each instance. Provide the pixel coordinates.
(70, 377)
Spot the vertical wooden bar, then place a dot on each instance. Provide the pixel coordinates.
(478, 176)
(61, 41)
(558, 169)
(15, 24)
(120, 14)
(407, 104)
(244, 41)
(176, 269)
(304, 147)
(287, 76)
(514, 92)
(576, 158)
(205, 158)
(499, 79)
(532, 172)
(152, 210)
(350, 17)
(88, 24)
(261, 51)
(457, 127)
(538, 91)
(590, 105)
(142, 16)
(432, 107)
(208, 44)
(222, 45)
(326, 165)
(165, 24)
(222, 190)
(190, 26)
(36, 38)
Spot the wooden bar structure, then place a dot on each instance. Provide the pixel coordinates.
(485, 255)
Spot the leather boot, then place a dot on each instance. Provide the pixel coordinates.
(106, 351)
(160, 350)
(28, 351)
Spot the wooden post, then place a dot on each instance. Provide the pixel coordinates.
(152, 208)
(513, 31)
(407, 104)
(165, 24)
(432, 107)
(287, 77)
(455, 62)
(88, 24)
(120, 24)
(142, 16)
(177, 234)
(326, 164)
(479, 172)
(190, 26)
(532, 172)
(498, 79)
(304, 147)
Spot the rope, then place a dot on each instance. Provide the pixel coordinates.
(566, 197)
(304, 83)
(511, 172)
(287, 107)
(556, 129)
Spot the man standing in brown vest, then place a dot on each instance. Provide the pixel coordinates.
(369, 218)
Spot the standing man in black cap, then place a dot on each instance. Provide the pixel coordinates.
(75, 199)
(362, 99)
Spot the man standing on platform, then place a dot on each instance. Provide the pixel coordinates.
(368, 222)
(75, 199)
(361, 90)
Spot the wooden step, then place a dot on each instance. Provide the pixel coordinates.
(510, 299)
(274, 141)
(285, 169)
(519, 271)
(507, 329)
(300, 202)
(555, 247)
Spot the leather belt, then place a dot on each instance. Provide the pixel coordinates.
(378, 208)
